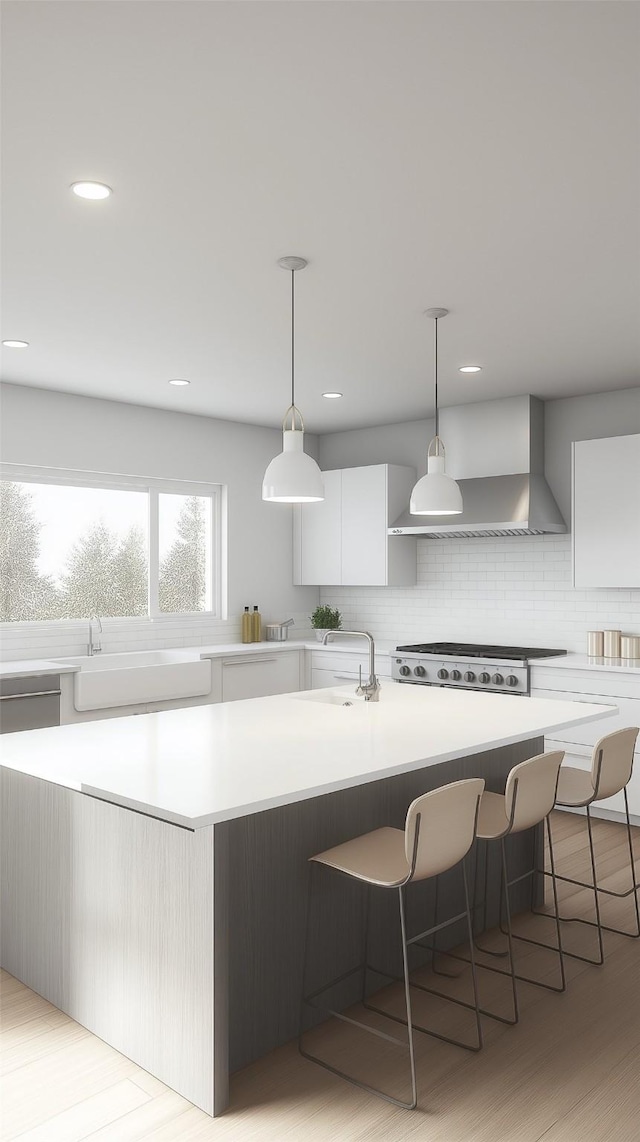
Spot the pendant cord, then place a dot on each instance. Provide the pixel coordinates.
(436, 377)
(293, 401)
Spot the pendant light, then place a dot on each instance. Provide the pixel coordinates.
(436, 493)
(292, 477)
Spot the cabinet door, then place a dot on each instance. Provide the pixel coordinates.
(364, 526)
(260, 676)
(317, 537)
(606, 512)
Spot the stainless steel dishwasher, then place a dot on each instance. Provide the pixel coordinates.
(29, 703)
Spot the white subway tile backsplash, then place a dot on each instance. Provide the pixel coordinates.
(510, 589)
(63, 639)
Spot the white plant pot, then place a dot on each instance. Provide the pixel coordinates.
(320, 632)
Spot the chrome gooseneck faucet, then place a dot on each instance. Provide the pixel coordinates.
(95, 640)
(371, 688)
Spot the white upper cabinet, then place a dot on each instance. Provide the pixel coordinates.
(606, 512)
(343, 540)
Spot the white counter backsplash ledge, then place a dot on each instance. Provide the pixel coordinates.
(513, 590)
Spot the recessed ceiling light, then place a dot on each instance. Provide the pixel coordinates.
(91, 189)
(470, 369)
(16, 344)
(332, 396)
(179, 381)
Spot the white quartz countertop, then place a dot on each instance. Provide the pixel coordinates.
(205, 764)
(33, 667)
(586, 662)
(30, 667)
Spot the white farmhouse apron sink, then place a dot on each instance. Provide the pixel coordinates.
(104, 681)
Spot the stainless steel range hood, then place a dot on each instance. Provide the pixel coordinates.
(495, 449)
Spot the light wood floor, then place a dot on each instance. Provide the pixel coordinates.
(569, 1072)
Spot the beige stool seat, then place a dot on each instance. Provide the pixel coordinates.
(575, 787)
(492, 816)
(378, 858)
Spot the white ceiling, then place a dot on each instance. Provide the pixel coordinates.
(479, 156)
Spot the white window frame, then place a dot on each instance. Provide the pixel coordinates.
(216, 493)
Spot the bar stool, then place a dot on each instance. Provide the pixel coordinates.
(610, 773)
(529, 797)
(438, 833)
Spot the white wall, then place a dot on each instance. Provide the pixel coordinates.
(388, 444)
(510, 589)
(59, 430)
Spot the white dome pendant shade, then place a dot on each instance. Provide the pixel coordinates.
(436, 493)
(292, 477)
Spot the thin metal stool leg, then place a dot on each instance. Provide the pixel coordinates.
(529, 939)
(434, 948)
(474, 973)
(308, 999)
(471, 960)
(556, 876)
(305, 953)
(495, 952)
(594, 886)
(633, 891)
(365, 951)
(556, 906)
(632, 863)
(407, 997)
(419, 942)
(512, 966)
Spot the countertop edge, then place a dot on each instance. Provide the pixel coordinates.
(322, 790)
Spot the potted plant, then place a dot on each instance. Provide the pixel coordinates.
(324, 619)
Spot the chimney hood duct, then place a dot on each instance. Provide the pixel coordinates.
(496, 453)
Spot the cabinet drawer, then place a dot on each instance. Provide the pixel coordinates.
(618, 685)
(29, 703)
(349, 663)
(260, 676)
(588, 734)
(321, 678)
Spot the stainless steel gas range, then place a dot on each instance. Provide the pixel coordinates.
(467, 665)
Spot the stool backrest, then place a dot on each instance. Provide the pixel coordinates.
(612, 761)
(530, 792)
(444, 822)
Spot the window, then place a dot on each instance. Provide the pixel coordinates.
(185, 527)
(70, 548)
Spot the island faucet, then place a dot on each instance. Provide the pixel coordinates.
(95, 643)
(371, 688)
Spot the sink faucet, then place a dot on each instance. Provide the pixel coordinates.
(95, 642)
(371, 688)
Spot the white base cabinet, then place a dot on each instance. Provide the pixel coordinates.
(259, 675)
(343, 540)
(613, 689)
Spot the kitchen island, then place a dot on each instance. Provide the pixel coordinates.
(154, 867)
